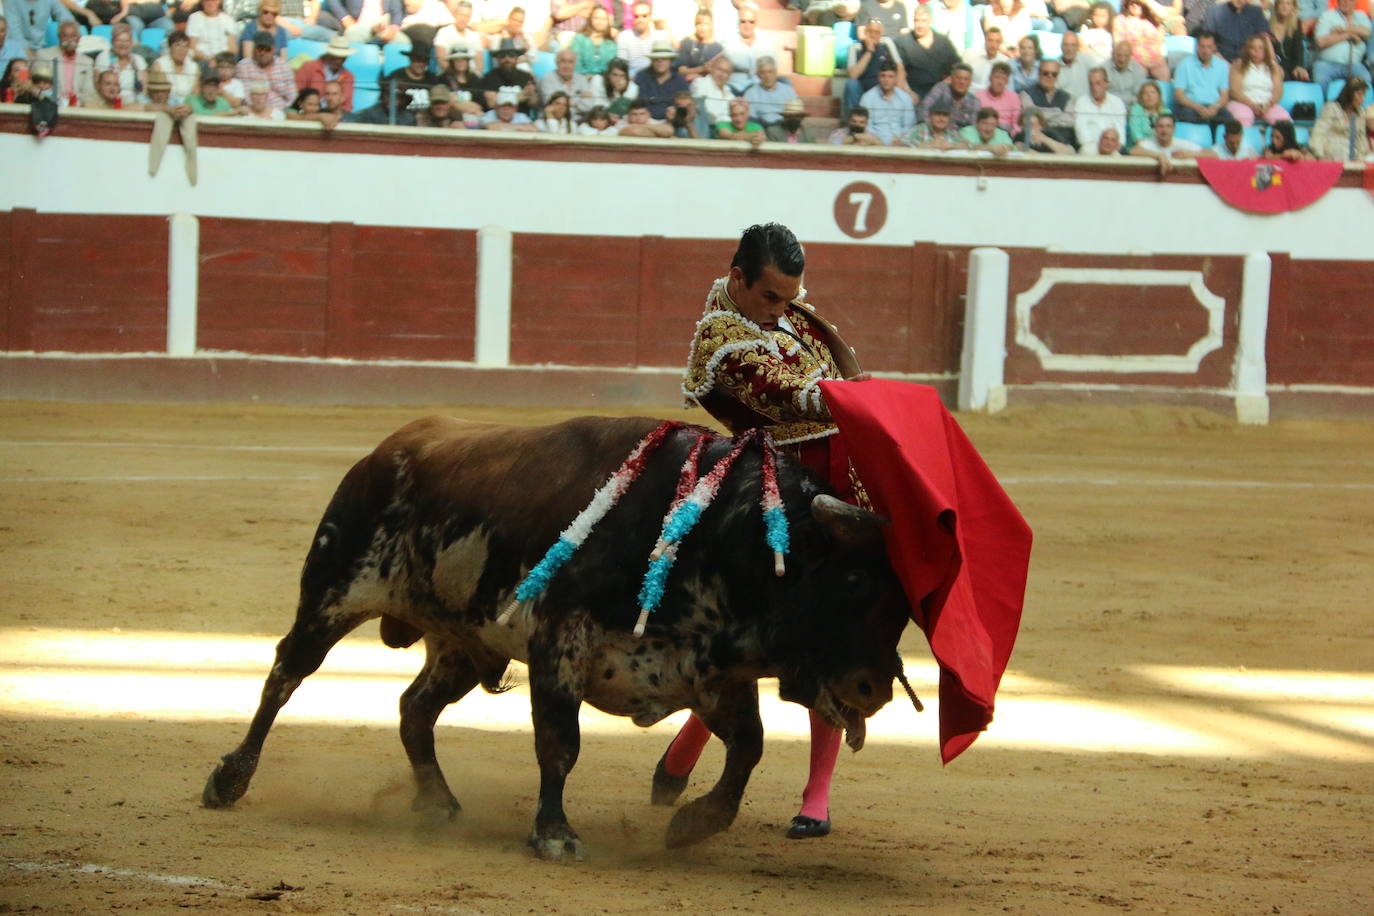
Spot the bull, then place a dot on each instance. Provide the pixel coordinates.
(434, 529)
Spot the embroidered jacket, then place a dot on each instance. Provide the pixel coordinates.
(747, 377)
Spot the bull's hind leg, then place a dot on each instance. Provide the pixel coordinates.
(299, 655)
(447, 677)
(735, 719)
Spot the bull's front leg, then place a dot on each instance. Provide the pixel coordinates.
(555, 698)
(734, 718)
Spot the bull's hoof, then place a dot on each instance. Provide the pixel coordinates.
(229, 780)
(803, 827)
(436, 811)
(564, 846)
(697, 820)
(667, 787)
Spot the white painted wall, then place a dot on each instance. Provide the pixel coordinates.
(1069, 214)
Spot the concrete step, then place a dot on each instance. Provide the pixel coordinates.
(821, 106)
(810, 85)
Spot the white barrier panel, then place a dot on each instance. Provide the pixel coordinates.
(981, 381)
(1251, 371)
(183, 283)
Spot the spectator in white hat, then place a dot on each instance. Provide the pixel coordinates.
(790, 128)
(329, 68)
(505, 114)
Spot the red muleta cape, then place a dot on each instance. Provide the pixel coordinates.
(956, 540)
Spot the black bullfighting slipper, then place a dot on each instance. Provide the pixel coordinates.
(667, 787)
(804, 827)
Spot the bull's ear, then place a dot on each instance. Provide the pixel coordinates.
(851, 527)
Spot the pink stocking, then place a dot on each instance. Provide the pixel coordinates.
(825, 747)
(682, 754)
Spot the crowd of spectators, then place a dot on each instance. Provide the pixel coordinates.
(940, 75)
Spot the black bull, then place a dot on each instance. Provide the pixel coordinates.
(435, 528)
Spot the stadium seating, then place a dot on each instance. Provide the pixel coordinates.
(1177, 48)
(309, 48)
(394, 58)
(365, 64)
(844, 37)
(365, 96)
(1295, 92)
(1200, 134)
(1050, 43)
(103, 31)
(1333, 89)
(545, 63)
(152, 39)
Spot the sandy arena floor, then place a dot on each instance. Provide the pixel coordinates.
(1187, 726)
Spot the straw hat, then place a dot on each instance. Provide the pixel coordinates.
(662, 47)
(339, 47)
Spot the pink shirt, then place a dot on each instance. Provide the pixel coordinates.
(1008, 106)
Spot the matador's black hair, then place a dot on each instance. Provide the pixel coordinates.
(765, 244)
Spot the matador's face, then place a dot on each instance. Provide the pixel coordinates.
(765, 301)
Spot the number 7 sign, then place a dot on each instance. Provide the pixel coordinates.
(860, 209)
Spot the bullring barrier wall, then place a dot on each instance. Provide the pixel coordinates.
(425, 266)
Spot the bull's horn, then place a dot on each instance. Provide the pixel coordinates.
(849, 525)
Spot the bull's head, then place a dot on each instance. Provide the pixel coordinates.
(838, 639)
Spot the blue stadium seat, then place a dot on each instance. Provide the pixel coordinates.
(1200, 134)
(844, 37)
(1295, 92)
(103, 31)
(1166, 92)
(1178, 47)
(544, 64)
(50, 34)
(365, 65)
(152, 39)
(304, 46)
(1049, 44)
(1333, 89)
(394, 58)
(1302, 134)
(364, 96)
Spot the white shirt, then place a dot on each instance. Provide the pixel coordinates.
(1091, 119)
(634, 50)
(978, 59)
(712, 99)
(211, 35)
(184, 78)
(1150, 145)
(1073, 78)
(1246, 151)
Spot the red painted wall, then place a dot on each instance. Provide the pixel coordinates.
(85, 283)
(263, 286)
(1321, 323)
(316, 289)
(900, 308)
